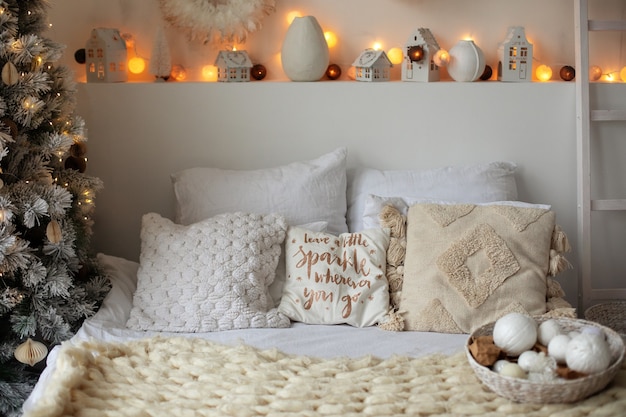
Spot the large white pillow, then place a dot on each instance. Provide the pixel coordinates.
(482, 183)
(209, 276)
(302, 192)
(336, 279)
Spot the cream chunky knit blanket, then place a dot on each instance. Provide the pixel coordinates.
(193, 377)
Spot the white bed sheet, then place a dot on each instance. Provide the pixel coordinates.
(108, 324)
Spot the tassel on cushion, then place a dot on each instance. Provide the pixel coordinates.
(390, 217)
(396, 251)
(558, 263)
(554, 289)
(394, 322)
(560, 242)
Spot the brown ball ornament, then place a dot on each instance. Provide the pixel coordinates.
(487, 73)
(78, 164)
(258, 72)
(415, 53)
(78, 149)
(333, 72)
(567, 73)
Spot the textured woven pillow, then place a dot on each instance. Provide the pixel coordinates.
(209, 276)
(336, 279)
(467, 265)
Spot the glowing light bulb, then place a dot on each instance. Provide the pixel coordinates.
(209, 73)
(395, 55)
(292, 15)
(377, 46)
(136, 65)
(331, 38)
(595, 73)
(543, 73)
(441, 58)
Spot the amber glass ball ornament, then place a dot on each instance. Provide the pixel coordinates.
(333, 71)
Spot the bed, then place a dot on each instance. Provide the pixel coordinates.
(314, 289)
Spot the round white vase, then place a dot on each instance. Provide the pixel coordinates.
(304, 54)
(467, 61)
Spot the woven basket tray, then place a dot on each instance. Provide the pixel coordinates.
(559, 391)
(612, 314)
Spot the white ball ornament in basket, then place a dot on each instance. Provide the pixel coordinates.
(558, 390)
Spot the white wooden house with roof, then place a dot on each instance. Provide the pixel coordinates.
(515, 56)
(233, 66)
(419, 52)
(372, 66)
(105, 56)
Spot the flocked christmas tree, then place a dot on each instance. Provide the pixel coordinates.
(49, 280)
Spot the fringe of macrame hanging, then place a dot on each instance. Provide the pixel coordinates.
(394, 322)
(216, 21)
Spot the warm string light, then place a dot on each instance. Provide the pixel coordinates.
(136, 64)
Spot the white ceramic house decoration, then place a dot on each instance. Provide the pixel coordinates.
(515, 56)
(419, 51)
(105, 56)
(233, 66)
(304, 54)
(372, 66)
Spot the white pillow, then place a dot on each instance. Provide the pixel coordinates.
(336, 279)
(482, 183)
(374, 205)
(209, 276)
(302, 192)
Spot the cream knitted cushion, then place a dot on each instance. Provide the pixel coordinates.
(208, 276)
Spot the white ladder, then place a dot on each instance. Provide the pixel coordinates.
(585, 117)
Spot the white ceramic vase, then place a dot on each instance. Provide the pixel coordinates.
(467, 61)
(304, 54)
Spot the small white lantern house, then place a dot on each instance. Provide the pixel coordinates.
(105, 56)
(233, 66)
(419, 52)
(372, 66)
(515, 56)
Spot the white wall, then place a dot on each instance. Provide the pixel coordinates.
(141, 132)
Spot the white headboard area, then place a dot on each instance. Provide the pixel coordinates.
(140, 133)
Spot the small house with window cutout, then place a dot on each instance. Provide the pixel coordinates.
(419, 53)
(372, 66)
(105, 56)
(515, 56)
(233, 66)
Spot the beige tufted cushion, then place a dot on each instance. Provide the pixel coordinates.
(467, 265)
(208, 276)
